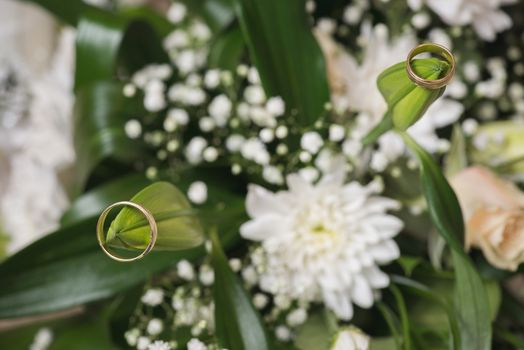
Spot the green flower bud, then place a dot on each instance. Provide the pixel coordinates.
(177, 223)
(407, 102)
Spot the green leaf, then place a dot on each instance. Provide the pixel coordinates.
(227, 50)
(218, 14)
(68, 268)
(429, 313)
(471, 298)
(177, 223)
(93, 202)
(105, 42)
(316, 333)
(87, 334)
(404, 319)
(288, 58)
(237, 324)
(406, 101)
(383, 344)
(103, 38)
(100, 113)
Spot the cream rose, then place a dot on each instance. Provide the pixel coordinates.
(493, 210)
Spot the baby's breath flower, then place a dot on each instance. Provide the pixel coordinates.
(275, 106)
(176, 12)
(206, 275)
(133, 128)
(312, 142)
(185, 270)
(159, 345)
(195, 344)
(194, 149)
(155, 326)
(153, 297)
(220, 109)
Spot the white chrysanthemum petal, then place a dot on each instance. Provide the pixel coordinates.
(260, 201)
(340, 304)
(257, 229)
(361, 292)
(376, 278)
(385, 252)
(298, 184)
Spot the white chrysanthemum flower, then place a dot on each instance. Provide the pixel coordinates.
(485, 16)
(323, 242)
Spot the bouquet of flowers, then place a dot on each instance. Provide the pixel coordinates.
(273, 175)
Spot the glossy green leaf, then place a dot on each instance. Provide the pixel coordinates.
(471, 298)
(227, 50)
(406, 101)
(104, 40)
(100, 113)
(418, 289)
(218, 14)
(152, 17)
(94, 201)
(68, 268)
(288, 58)
(177, 223)
(404, 319)
(237, 324)
(98, 38)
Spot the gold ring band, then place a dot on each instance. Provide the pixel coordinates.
(436, 49)
(100, 230)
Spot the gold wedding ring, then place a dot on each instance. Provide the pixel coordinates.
(436, 49)
(100, 234)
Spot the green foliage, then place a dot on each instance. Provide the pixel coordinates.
(317, 333)
(238, 325)
(227, 49)
(100, 114)
(288, 58)
(67, 267)
(91, 203)
(177, 223)
(471, 299)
